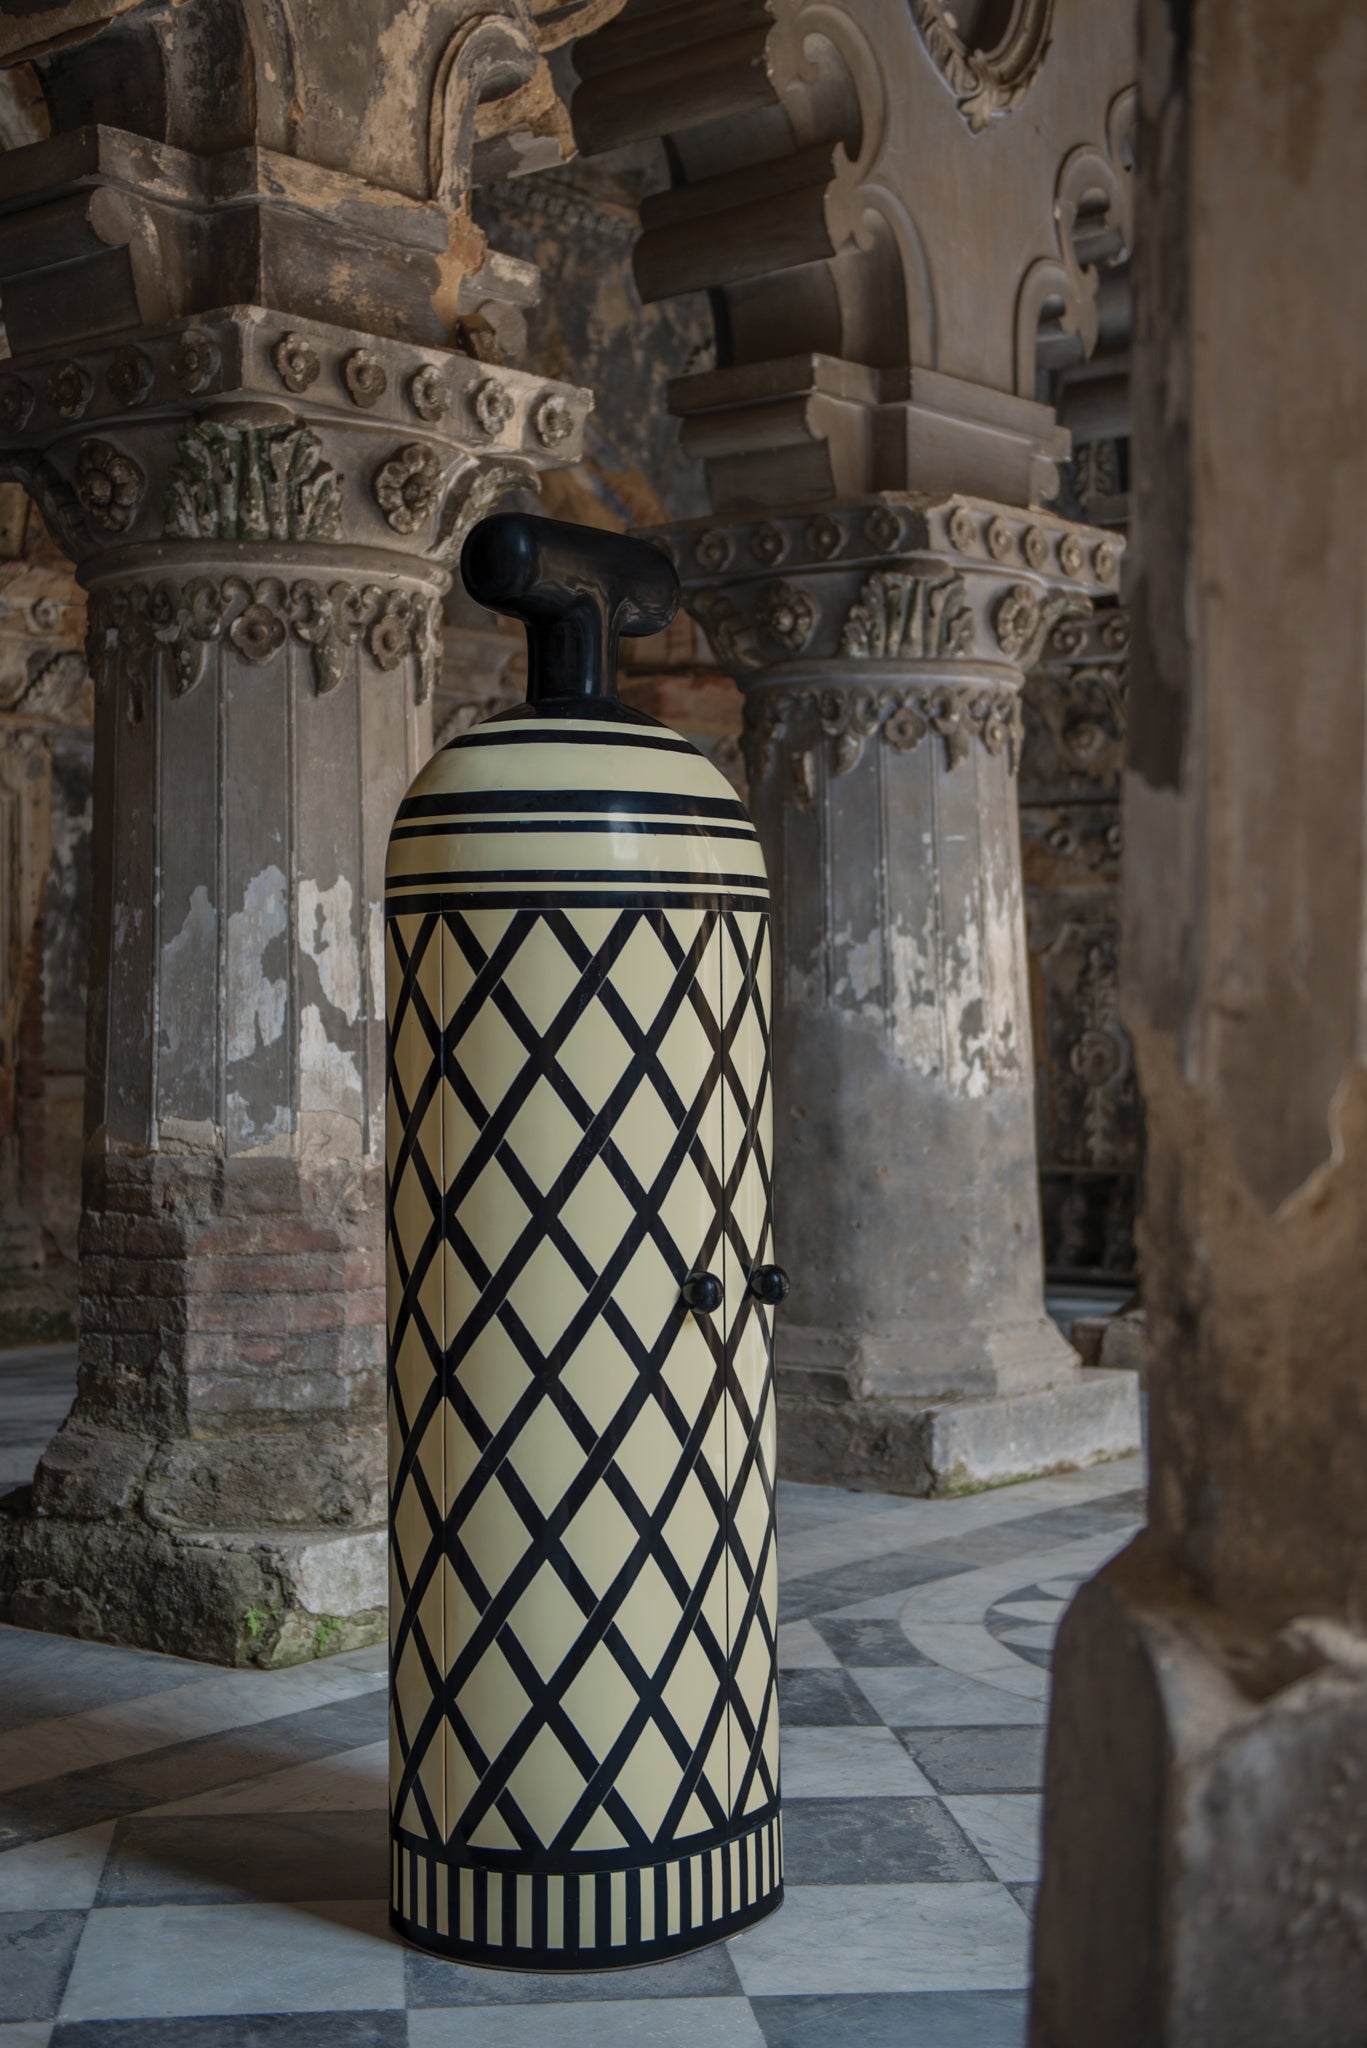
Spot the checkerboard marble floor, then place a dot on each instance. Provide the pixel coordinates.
(194, 1858)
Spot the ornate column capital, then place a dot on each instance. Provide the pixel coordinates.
(247, 478)
(906, 614)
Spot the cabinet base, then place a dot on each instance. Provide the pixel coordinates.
(599, 1920)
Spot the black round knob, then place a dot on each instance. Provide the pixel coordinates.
(702, 1292)
(770, 1284)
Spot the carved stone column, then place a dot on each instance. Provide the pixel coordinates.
(881, 647)
(44, 747)
(232, 391)
(1207, 1757)
(899, 214)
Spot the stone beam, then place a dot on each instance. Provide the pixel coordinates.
(1203, 1820)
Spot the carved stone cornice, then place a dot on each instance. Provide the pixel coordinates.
(241, 426)
(950, 715)
(900, 579)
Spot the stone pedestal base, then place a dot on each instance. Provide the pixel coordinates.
(951, 1447)
(1204, 1828)
(225, 1597)
(218, 1489)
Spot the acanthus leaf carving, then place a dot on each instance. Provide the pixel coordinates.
(252, 483)
(904, 617)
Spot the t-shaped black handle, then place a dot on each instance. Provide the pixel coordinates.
(575, 588)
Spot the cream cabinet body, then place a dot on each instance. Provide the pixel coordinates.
(584, 1728)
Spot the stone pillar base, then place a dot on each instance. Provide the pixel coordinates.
(1204, 1827)
(950, 1447)
(218, 1488)
(250, 1597)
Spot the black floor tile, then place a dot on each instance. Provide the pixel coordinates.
(35, 1960)
(83, 1798)
(876, 1841)
(250, 2030)
(822, 1699)
(708, 1973)
(869, 1642)
(1025, 1896)
(208, 1859)
(978, 1759)
(922, 2019)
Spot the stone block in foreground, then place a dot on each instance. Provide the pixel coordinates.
(1204, 1828)
(923, 1447)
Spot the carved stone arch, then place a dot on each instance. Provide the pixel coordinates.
(489, 57)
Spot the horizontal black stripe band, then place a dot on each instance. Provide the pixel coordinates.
(640, 825)
(588, 1862)
(602, 803)
(397, 904)
(556, 736)
(466, 878)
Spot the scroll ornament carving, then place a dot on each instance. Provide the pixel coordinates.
(1100, 1058)
(16, 405)
(787, 615)
(553, 420)
(427, 393)
(365, 377)
(824, 536)
(493, 405)
(731, 635)
(129, 376)
(194, 361)
(903, 617)
(407, 487)
(1023, 621)
(109, 485)
(252, 483)
(470, 499)
(135, 626)
(988, 82)
(296, 362)
(956, 714)
(69, 390)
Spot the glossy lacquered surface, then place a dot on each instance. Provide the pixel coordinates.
(585, 1730)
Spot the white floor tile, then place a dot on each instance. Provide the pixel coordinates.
(26, 2034)
(148, 1962)
(1004, 1827)
(800, 1648)
(915, 1696)
(62, 1872)
(886, 1937)
(609, 2023)
(849, 1763)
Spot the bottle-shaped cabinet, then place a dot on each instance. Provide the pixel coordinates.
(584, 1730)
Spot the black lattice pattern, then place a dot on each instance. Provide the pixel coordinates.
(582, 1478)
